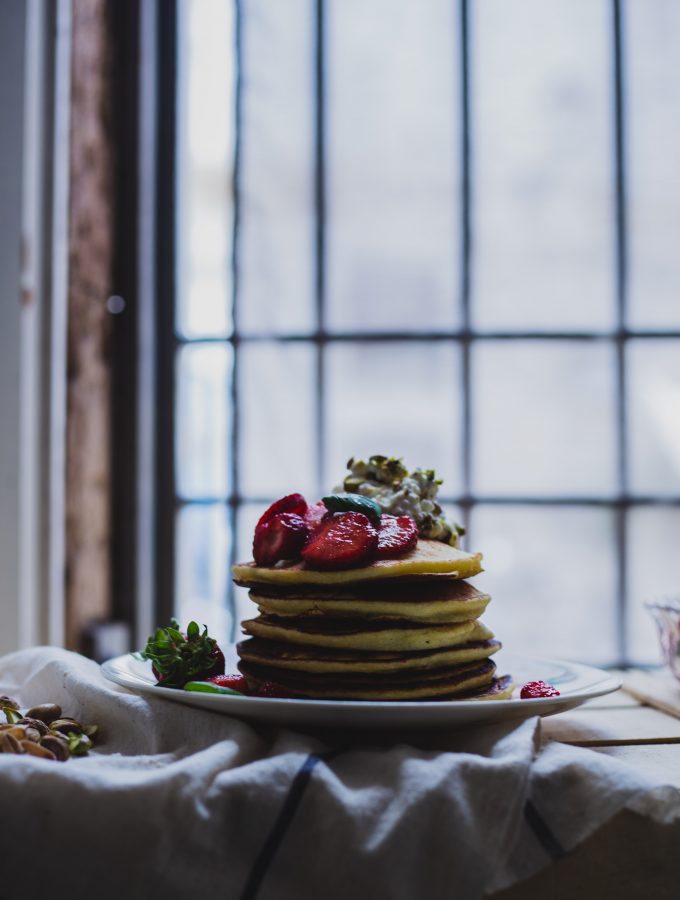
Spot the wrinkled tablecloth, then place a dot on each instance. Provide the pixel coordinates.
(182, 802)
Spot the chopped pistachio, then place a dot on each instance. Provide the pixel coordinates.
(387, 481)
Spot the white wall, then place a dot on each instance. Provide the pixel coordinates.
(12, 81)
(33, 60)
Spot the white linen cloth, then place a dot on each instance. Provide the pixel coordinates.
(182, 802)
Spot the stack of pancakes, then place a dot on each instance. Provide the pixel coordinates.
(397, 629)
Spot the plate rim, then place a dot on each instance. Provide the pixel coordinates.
(608, 683)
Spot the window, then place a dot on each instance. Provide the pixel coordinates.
(451, 239)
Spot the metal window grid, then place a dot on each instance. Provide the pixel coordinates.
(465, 337)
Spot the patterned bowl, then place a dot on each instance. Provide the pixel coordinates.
(666, 614)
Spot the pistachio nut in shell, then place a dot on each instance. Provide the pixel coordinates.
(66, 726)
(9, 701)
(46, 712)
(57, 746)
(37, 750)
(38, 724)
(9, 744)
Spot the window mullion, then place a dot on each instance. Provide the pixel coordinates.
(233, 397)
(621, 263)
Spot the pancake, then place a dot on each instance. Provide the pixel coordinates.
(359, 634)
(429, 580)
(445, 600)
(428, 587)
(498, 689)
(429, 557)
(447, 682)
(320, 660)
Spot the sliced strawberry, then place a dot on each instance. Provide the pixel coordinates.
(282, 537)
(315, 514)
(341, 541)
(397, 535)
(292, 503)
(235, 682)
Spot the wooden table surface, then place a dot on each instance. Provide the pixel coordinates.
(631, 857)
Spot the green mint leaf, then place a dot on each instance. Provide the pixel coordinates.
(353, 503)
(205, 687)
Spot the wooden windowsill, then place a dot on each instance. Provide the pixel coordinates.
(645, 712)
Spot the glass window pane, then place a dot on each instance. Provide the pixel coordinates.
(248, 514)
(543, 416)
(204, 167)
(654, 416)
(202, 567)
(652, 32)
(652, 536)
(393, 165)
(276, 397)
(398, 399)
(551, 573)
(276, 238)
(542, 111)
(202, 423)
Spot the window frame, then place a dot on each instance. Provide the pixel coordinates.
(466, 337)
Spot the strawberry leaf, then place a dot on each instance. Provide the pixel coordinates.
(177, 658)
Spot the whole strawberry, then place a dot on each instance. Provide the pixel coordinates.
(534, 689)
(178, 658)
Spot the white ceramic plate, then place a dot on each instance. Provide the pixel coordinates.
(577, 684)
